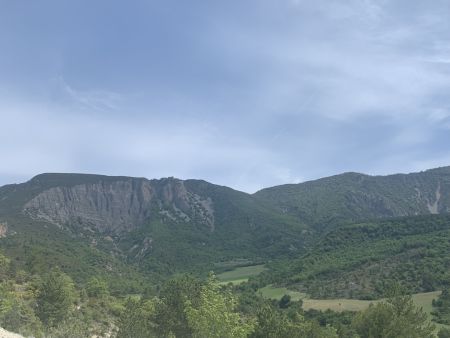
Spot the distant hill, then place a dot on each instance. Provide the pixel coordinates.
(352, 197)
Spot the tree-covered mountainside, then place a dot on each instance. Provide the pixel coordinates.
(159, 227)
(353, 197)
(362, 260)
(150, 229)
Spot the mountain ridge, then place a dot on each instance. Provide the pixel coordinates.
(164, 226)
(355, 196)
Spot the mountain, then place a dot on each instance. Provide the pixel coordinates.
(352, 197)
(118, 226)
(158, 227)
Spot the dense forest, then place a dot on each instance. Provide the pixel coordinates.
(361, 260)
(52, 305)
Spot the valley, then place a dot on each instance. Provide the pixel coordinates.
(225, 169)
(338, 243)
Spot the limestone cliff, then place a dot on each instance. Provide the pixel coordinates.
(120, 205)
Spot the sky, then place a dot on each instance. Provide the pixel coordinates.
(243, 93)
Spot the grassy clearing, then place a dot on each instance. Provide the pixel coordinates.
(337, 305)
(240, 275)
(276, 293)
(423, 300)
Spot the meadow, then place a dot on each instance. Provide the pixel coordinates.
(240, 274)
(423, 300)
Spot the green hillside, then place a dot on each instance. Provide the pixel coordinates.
(40, 250)
(174, 236)
(363, 260)
(353, 197)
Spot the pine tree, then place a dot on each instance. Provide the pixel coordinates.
(55, 298)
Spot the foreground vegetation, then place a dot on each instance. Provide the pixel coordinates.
(53, 306)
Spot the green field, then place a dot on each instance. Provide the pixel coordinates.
(423, 300)
(240, 275)
(276, 293)
(336, 304)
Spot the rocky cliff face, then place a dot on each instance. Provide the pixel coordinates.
(117, 204)
(3, 229)
(121, 205)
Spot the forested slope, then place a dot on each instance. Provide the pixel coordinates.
(362, 260)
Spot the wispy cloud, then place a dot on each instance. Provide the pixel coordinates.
(94, 100)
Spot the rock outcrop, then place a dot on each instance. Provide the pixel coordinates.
(7, 334)
(3, 229)
(120, 205)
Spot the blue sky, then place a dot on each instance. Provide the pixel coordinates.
(248, 93)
